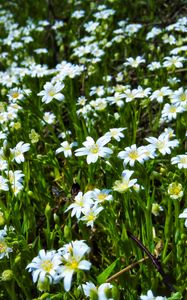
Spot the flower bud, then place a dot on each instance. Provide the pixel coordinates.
(7, 275)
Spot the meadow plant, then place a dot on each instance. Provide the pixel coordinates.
(93, 150)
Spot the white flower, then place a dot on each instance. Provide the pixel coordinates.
(125, 183)
(181, 160)
(184, 215)
(80, 202)
(17, 152)
(52, 91)
(100, 292)
(91, 214)
(175, 190)
(4, 249)
(44, 265)
(132, 154)
(66, 148)
(150, 296)
(49, 118)
(115, 133)
(3, 184)
(159, 95)
(134, 62)
(170, 111)
(173, 61)
(101, 195)
(72, 262)
(162, 143)
(94, 150)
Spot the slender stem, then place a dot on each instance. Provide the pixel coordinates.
(131, 266)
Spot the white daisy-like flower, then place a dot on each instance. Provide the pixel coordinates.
(52, 91)
(163, 143)
(17, 152)
(115, 133)
(72, 262)
(131, 155)
(66, 148)
(180, 160)
(44, 265)
(94, 150)
(3, 184)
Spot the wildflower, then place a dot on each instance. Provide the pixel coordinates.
(90, 214)
(80, 202)
(4, 249)
(132, 154)
(154, 65)
(44, 265)
(34, 136)
(117, 99)
(116, 133)
(72, 262)
(181, 160)
(175, 190)
(184, 215)
(3, 184)
(150, 296)
(170, 111)
(101, 195)
(66, 148)
(48, 118)
(100, 293)
(134, 62)
(160, 94)
(17, 152)
(173, 61)
(15, 179)
(162, 143)
(125, 183)
(156, 208)
(94, 149)
(153, 32)
(179, 96)
(52, 91)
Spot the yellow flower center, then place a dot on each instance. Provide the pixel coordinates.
(3, 247)
(52, 92)
(47, 265)
(172, 109)
(183, 160)
(74, 265)
(15, 95)
(101, 197)
(94, 149)
(90, 217)
(183, 97)
(133, 154)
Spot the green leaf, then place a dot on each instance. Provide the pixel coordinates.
(106, 273)
(175, 296)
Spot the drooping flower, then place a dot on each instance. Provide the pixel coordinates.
(125, 183)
